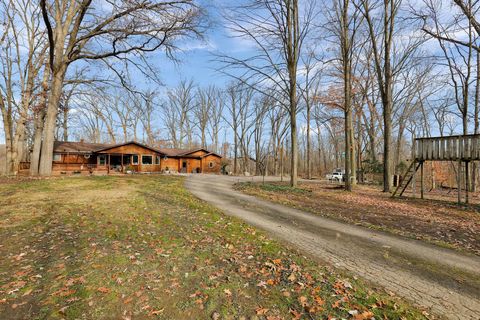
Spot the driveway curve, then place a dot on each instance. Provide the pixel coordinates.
(445, 281)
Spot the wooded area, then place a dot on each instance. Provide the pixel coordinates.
(326, 84)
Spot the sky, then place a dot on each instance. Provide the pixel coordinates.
(197, 57)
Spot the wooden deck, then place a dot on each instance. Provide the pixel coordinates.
(451, 148)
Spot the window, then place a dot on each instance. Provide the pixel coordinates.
(211, 164)
(102, 160)
(157, 159)
(135, 159)
(57, 157)
(147, 159)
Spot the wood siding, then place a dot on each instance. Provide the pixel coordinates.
(216, 162)
(170, 164)
(129, 149)
(120, 158)
(74, 162)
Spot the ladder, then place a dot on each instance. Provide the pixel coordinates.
(407, 178)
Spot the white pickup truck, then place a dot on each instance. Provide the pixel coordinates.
(336, 176)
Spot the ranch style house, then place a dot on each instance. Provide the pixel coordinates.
(82, 157)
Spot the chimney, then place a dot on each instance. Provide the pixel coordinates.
(82, 140)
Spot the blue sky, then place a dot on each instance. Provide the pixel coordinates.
(197, 60)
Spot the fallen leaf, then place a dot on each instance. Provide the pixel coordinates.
(303, 301)
(156, 312)
(103, 290)
(261, 311)
(319, 300)
(296, 315)
(26, 293)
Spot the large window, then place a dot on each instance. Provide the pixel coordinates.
(157, 159)
(57, 157)
(135, 159)
(102, 160)
(147, 159)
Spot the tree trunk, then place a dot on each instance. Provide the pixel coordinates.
(65, 123)
(309, 143)
(8, 132)
(476, 122)
(37, 142)
(19, 141)
(293, 136)
(235, 153)
(39, 123)
(46, 156)
(387, 100)
(387, 159)
(398, 148)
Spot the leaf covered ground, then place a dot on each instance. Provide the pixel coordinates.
(142, 247)
(439, 222)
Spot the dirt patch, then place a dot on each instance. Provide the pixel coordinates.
(439, 222)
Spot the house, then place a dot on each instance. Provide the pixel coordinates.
(131, 156)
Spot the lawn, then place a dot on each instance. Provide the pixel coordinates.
(142, 247)
(439, 222)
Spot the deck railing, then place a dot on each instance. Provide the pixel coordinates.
(464, 148)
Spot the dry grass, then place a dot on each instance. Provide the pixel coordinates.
(142, 247)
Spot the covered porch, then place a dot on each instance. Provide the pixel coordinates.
(116, 162)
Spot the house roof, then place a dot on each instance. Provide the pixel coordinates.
(85, 147)
(172, 152)
(111, 146)
(77, 147)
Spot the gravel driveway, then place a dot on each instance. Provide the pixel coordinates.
(443, 280)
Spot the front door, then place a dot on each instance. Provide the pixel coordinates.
(184, 166)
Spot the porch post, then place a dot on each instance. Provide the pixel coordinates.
(108, 165)
(122, 164)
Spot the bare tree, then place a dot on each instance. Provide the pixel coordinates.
(216, 116)
(146, 107)
(81, 30)
(203, 107)
(261, 106)
(309, 88)
(239, 117)
(278, 30)
(344, 25)
(389, 57)
(458, 54)
(22, 51)
(178, 113)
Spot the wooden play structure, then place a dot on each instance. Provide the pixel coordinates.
(462, 149)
